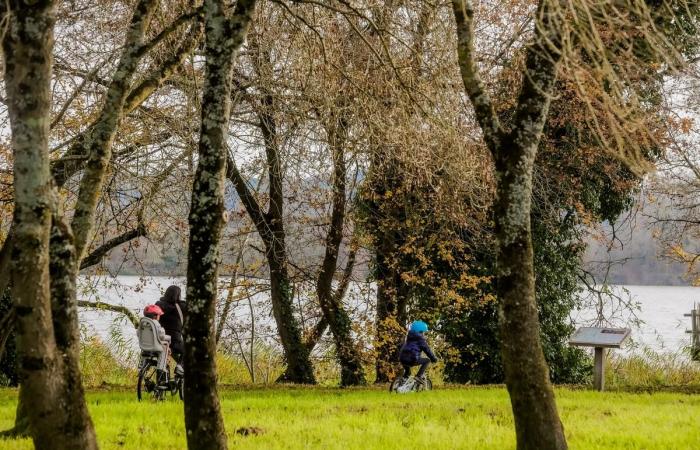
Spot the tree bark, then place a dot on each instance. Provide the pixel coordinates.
(77, 424)
(537, 423)
(223, 36)
(27, 45)
(351, 370)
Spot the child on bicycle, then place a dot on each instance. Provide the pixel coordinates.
(412, 349)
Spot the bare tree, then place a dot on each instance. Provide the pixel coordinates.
(270, 224)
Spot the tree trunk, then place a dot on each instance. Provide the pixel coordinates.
(391, 317)
(537, 423)
(203, 420)
(351, 370)
(271, 231)
(270, 227)
(28, 44)
(299, 368)
(77, 426)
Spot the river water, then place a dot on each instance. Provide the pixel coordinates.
(656, 320)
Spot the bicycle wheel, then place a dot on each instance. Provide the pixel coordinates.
(148, 382)
(181, 387)
(398, 381)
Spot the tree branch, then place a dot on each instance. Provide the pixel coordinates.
(249, 202)
(90, 76)
(167, 31)
(347, 274)
(76, 157)
(96, 255)
(133, 318)
(155, 79)
(99, 142)
(474, 86)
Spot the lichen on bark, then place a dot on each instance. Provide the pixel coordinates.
(223, 37)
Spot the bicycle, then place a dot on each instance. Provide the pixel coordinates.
(402, 385)
(155, 382)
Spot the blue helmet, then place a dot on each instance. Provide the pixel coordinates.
(419, 326)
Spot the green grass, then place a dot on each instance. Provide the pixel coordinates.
(654, 371)
(448, 418)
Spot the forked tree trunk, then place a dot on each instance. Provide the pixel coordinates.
(351, 370)
(270, 227)
(271, 231)
(224, 36)
(27, 45)
(299, 368)
(537, 423)
(77, 428)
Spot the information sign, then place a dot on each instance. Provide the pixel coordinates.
(600, 337)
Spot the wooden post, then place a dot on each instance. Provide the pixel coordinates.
(695, 332)
(599, 369)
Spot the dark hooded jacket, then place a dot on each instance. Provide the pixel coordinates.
(412, 348)
(170, 320)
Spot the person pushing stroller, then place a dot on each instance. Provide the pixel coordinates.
(413, 347)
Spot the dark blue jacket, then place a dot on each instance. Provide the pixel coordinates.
(412, 348)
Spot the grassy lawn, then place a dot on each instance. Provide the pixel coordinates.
(447, 418)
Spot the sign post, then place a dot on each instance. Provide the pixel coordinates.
(601, 339)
